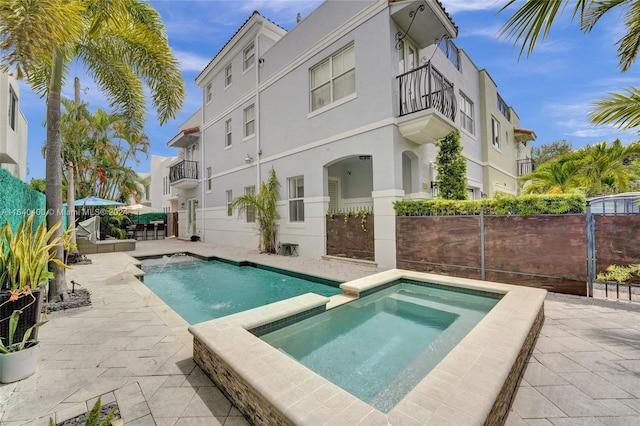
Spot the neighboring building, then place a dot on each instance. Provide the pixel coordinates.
(157, 191)
(346, 107)
(13, 128)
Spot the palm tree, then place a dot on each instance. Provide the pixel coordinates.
(559, 176)
(264, 206)
(123, 45)
(534, 19)
(602, 166)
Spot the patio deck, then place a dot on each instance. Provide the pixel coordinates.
(130, 348)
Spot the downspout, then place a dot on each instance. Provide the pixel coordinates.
(257, 110)
(202, 168)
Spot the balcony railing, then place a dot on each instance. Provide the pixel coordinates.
(424, 88)
(525, 166)
(183, 170)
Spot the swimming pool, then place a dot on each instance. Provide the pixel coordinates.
(473, 384)
(379, 347)
(200, 290)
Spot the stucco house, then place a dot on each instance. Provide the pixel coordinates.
(13, 128)
(346, 108)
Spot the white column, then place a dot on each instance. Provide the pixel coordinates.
(384, 222)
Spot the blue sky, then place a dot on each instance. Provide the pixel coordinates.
(551, 90)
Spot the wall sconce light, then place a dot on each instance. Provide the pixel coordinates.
(182, 204)
(248, 159)
(197, 201)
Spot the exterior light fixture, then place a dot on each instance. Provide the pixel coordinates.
(248, 159)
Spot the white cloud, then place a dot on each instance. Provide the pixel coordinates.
(190, 61)
(453, 6)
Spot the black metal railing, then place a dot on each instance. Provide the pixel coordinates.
(424, 88)
(183, 170)
(525, 166)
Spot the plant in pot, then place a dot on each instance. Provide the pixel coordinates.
(18, 360)
(24, 256)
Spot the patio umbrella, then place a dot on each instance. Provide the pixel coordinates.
(92, 201)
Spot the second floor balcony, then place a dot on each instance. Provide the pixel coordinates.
(427, 105)
(525, 166)
(184, 175)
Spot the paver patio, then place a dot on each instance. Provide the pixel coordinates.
(130, 348)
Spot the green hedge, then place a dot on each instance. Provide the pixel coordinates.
(17, 200)
(523, 205)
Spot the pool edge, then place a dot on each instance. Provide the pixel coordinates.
(474, 384)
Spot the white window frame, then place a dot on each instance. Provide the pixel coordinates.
(227, 76)
(495, 133)
(209, 93)
(296, 199)
(209, 179)
(250, 213)
(249, 120)
(466, 114)
(332, 101)
(229, 194)
(248, 57)
(228, 134)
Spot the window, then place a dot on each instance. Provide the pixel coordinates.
(209, 94)
(209, 180)
(296, 199)
(249, 122)
(227, 76)
(466, 114)
(227, 133)
(13, 108)
(334, 78)
(229, 201)
(248, 56)
(250, 212)
(495, 132)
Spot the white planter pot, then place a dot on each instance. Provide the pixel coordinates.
(16, 366)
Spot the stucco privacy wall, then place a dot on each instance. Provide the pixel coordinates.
(17, 199)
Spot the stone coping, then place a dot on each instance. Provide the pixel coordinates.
(462, 389)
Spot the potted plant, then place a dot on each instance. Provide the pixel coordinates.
(18, 360)
(24, 256)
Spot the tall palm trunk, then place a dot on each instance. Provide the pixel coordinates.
(53, 153)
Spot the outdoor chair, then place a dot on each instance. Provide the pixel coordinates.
(140, 231)
(149, 227)
(160, 231)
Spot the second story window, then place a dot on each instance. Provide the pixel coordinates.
(333, 78)
(249, 122)
(209, 179)
(466, 114)
(227, 76)
(249, 57)
(227, 133)
(13, 108)
(209, 93)
(495, 132)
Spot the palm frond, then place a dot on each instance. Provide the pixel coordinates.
(618, 109)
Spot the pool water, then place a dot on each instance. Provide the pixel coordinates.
(202, 290)
(380, 346)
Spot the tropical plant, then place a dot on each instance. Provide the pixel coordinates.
(264, 206)
(93, 416)
(25, 255)
(619, 273)
(534, 19)
(12, 346)
(122, 43)
(559, 176)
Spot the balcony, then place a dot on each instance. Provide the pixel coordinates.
(184, 175)
(525, 166)
(428, 103)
